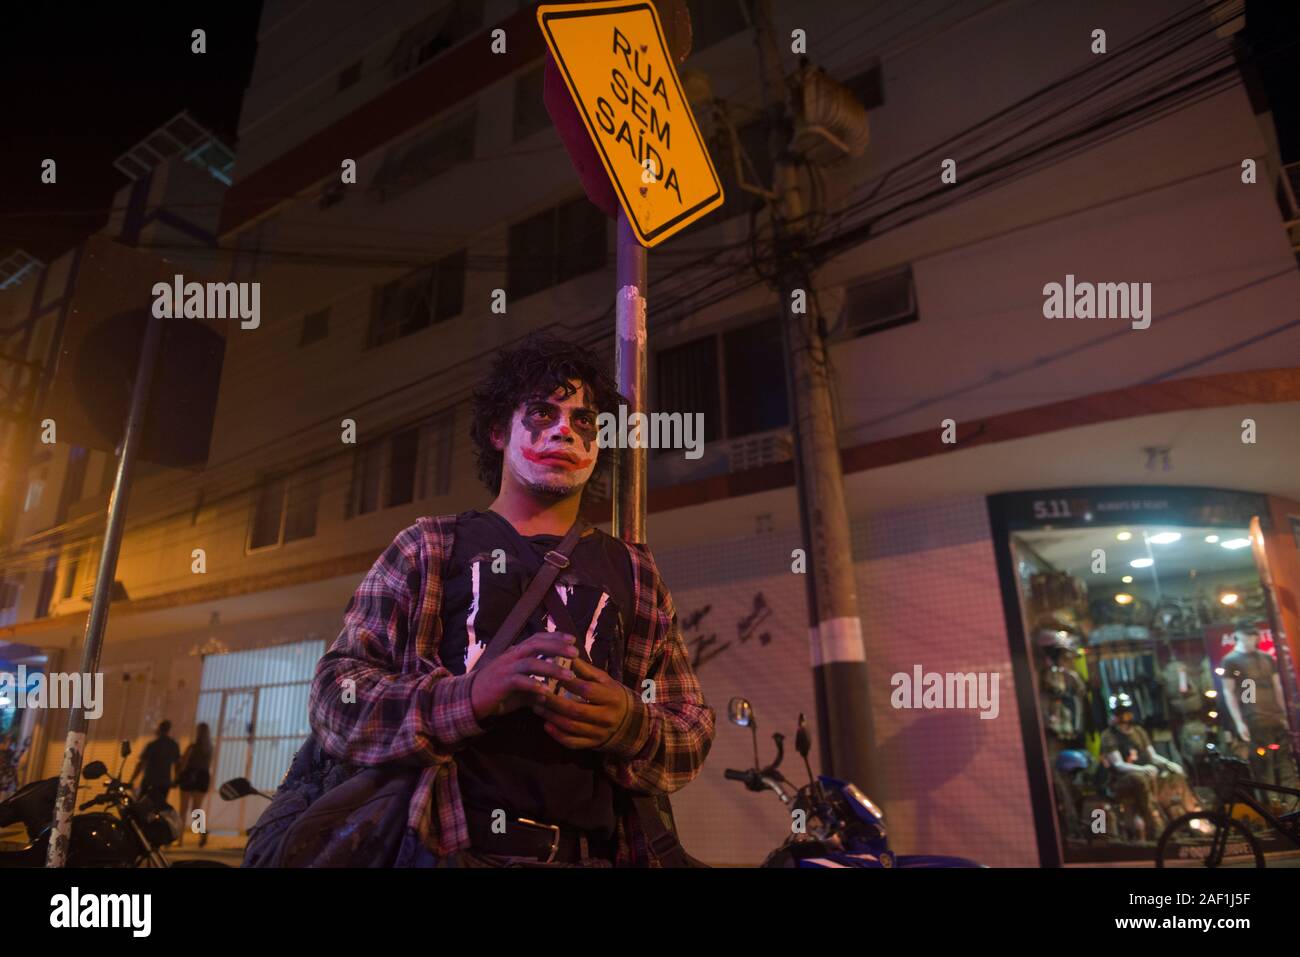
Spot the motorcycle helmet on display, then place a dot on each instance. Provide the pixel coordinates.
(1072, 760)
(1055, 639)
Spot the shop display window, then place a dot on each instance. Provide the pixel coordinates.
(1128, 628)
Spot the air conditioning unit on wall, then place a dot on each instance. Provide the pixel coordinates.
(874, 304)
(763, 448)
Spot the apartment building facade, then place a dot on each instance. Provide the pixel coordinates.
(342, 416)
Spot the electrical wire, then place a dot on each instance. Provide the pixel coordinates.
(704, 303)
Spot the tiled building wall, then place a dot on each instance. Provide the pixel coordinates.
(952, 782)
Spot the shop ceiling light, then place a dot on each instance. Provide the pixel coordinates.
(1127, 579)
(1235, 543)
(1212, 539)
(1123, 598)
(1124, 536)
(1165, 538)
(1218, 671)
(1228, 598)
(1211, 693)
(1142, 562)
(1212, 714)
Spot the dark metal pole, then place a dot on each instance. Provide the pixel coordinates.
(630, 369)
(75, 742)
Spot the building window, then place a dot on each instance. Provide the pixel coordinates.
(450, 141)
(752, 358)
(687, 377)
(556, 245)
(300, 506)
(70, 575)
(530, 109)
(74, 481)
(436, 436)
(868, 85)
(736, 379)
(35, 489)
(315, 326)
(881, 302)
(435, 34)
(46, 591)
(285, 510)
(712, 21)
(397, 469)
(403, 453)
(432, 294)
(349, 76)
(367, 469)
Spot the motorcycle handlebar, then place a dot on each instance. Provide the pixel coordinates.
(731, 774)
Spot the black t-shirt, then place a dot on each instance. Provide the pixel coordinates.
(515, 765)
(1260, 667)
(158, 757)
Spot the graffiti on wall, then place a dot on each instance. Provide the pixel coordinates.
(706, 647)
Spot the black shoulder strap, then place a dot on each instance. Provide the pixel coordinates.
(660, 834)
(555, 560)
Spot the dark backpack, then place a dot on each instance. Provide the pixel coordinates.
(331, 813)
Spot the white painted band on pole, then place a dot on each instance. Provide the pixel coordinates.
(74, 749)
(631, 311)
(837, 639)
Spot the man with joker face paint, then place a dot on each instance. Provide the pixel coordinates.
(515, 774)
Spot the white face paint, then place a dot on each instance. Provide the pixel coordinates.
(551, 450)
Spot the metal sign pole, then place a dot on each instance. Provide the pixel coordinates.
(630, 371)
(75, 743)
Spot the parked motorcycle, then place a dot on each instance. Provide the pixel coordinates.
(833, 823)
(133, 837)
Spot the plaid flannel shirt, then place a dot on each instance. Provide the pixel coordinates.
(381, 695)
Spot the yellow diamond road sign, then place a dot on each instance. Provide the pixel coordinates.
(618, 69)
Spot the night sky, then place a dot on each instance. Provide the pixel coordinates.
(86, 83)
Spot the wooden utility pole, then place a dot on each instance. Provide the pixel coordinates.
(834, 627)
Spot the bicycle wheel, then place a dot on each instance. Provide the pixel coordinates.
(199, 864)
(1213, 839)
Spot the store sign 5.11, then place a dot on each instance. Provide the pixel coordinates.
(616, 66)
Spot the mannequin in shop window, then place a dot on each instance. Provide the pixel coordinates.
(1063, 691)
(1252, 690)
(1135, 765)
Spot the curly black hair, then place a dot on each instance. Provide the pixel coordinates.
(540, 364)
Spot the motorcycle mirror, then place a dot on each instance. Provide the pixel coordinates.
(95, 769)
(236, 788)
(126, 748)
(741, 713)
(802, 742)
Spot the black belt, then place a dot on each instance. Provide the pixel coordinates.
(550, 843)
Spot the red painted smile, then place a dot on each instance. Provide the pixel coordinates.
(557, 459)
